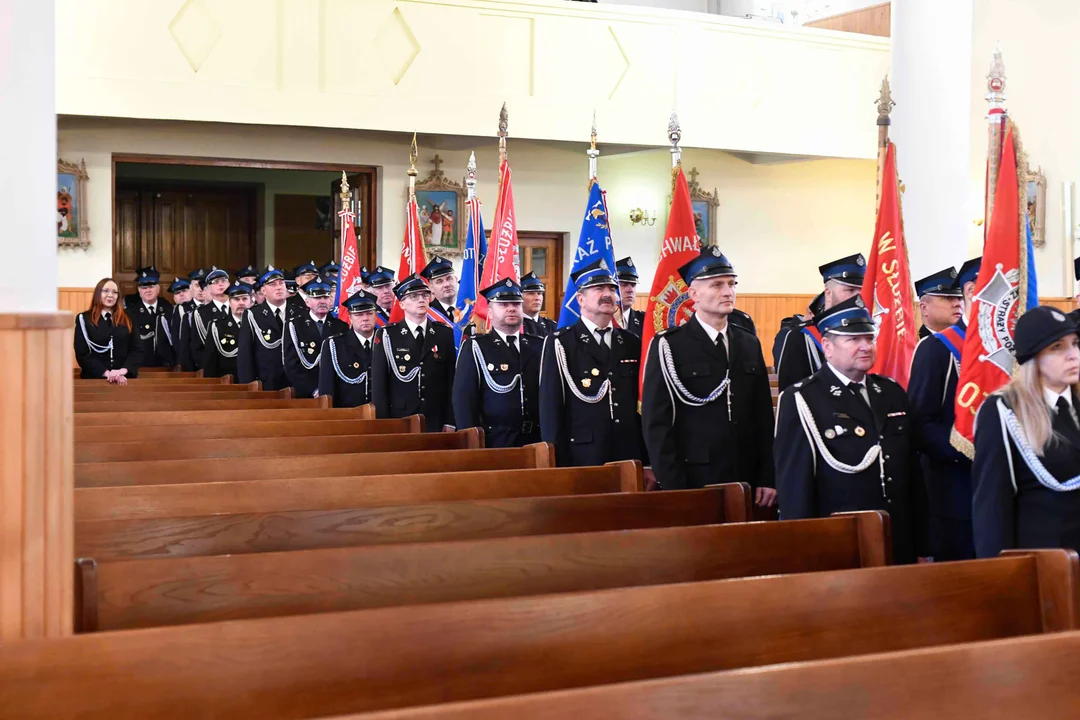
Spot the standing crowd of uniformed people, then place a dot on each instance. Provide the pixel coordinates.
(701, 412)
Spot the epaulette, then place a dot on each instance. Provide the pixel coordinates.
(875, 376)
(668, 330)
(562, 331)
(740, 327)
(805, 381)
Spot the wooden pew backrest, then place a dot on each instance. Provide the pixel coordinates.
(335, 663)
(291, 530)
(194, 417)
(336, 493)
(282, 428)
(123, 406)
(174, 591)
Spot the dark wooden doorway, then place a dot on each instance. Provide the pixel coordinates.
(542, 253)
(177, 228)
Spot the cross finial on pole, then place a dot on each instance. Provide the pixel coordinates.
(437, 161)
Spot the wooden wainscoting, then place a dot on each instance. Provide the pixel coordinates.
(74, 300)
(874, 20)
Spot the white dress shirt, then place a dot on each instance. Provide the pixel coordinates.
(845, 380)
(713, 332)
(364, 342)
(412, 326)
(592, 327)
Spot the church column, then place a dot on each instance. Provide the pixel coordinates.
(36, 518)
(931, 125)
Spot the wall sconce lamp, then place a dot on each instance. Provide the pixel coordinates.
(643, 217)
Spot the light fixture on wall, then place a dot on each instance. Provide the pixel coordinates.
(643, 217)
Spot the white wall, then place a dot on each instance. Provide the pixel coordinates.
(778, 222)
(1038, 44)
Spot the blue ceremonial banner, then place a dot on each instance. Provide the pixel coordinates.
(1032, 281)
(471, 266)
(594, 243)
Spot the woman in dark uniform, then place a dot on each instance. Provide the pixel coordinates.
(1027, 444)
(105, 347)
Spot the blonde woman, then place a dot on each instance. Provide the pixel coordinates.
(1027, 444)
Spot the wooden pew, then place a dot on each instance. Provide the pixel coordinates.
(334, 663)
(105, 400)
(1025, 677)
(149, 405)
(171, 472)
(291, 530)
(342, 493)
(288, 428)
(155, 382)
(127, 594)
(132, 458)
(196, 417)
(165, 389)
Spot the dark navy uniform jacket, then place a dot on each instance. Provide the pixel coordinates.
(591, 433)
(1012, 506)
(200, 329)
(808, 486)
(126, 352)
(222, 344)
(147, 324)
(800, 356)
(636, 321)
(932, 395)
(260, 354)
(691, 447)
(428, 392)
(509, 419)
(541, 327)
(344, 370)
(301, 350)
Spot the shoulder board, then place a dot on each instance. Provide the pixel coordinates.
(668, 331)
(805, 381)
(885, 378)
(563, 331)
(740, 327)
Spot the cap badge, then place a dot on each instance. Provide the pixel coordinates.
(859, 261)
(715, 251)
(858, 302)
(603, 264)
(1057, 316)
(630, 262)
(508, 282)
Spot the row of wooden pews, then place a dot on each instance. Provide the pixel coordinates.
(227, 568)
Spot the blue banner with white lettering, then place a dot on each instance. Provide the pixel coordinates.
(471, 267)
(593, 243)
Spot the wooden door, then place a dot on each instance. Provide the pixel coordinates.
(297, 236)
(542, 253)
(178, 229)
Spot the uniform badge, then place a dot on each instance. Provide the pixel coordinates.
(830, 434)
(407, 356)
(401, 368)
(147, 327)
(859, 431)
(504, 367)
(594, 372)
(491, 367)
(586, 382)
(404, 330)
(311, 351)
(877, 388)
(835, 391)
(312, 343)
(356, 364)
(266, 334)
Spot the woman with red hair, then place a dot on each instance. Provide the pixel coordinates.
(105, 346)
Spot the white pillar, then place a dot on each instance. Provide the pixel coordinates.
(28, 156)
(931, 126)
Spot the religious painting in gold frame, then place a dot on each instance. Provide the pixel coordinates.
(72, 225)
(1036, 205)
(441, 204)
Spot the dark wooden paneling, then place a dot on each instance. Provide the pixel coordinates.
(296, 237)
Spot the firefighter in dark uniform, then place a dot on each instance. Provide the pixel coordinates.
(106, 345)
(302, 275)
(301, 346)
(329, 273)
(259, 355)
(844, 440)
(532, 300)
(381, 284)
(223, 340)
(800, 355)
(168, 324)
(795, 323)
(182, 319)
(935, 369)
(706, 405)
(940, 304)
(217, 305)
(627, 275)
(1026, 474)
(443, 281)
(344, 371)
(589, 380)
(497, 383)
(412, 368)
(248, 275)
(145, 308)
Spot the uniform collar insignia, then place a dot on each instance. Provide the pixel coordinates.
(584, 337)
(835, 390)
(877, 388)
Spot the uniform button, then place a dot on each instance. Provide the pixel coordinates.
(616, 421)
(886, 457)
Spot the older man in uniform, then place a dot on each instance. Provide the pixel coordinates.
(303, 337)
(302, 274)
(412, 370)
(345, 368)
(217, 285)
(381, 284)
(443, 282)
(801, 354)
(706, 405)
(627, 275)
(144, 308)
(844, 440)
(222, 342)
(932, 396)
(532, 300)
(589, 379)
(259, 355)
(497, 382)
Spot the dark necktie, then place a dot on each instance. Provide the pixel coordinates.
(856, 390)
(277, 316)
(721, 348)
(419, 339)
(1064, 422)
(321, 324)
(511, 340)
(601, 333)
(107, 319)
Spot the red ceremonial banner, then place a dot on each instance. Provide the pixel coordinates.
(502, 255)
(888, 288)
(987, 360)
(349, 275)
(413, 259)
(669, 298)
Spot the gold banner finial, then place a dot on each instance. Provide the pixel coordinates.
(885, 102)
(504, 121)
(346, 193)
(413, 154)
